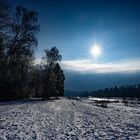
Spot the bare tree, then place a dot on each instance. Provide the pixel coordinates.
(18, 41)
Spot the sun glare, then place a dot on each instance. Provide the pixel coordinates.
(96, 50)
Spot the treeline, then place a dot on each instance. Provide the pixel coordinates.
(19, 77)
(132, 91)
(47, 79)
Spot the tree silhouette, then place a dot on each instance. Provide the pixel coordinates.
(52, 86)
(59, 80)
(123, 91)
(17, 40)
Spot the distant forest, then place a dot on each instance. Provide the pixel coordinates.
(132, 91)
(19, 76)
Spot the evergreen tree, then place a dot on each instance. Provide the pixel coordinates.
(51, 79)
(59, 80)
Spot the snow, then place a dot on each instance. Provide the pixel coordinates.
(80, 119)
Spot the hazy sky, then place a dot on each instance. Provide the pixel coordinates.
(74, 26)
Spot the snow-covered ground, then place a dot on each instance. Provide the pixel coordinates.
(82, 119)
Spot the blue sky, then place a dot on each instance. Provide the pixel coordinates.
(75, 25)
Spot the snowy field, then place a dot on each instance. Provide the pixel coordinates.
(74, 119)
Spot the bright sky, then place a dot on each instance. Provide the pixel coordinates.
(74, 26)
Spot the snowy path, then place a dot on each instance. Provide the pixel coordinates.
(69, 119)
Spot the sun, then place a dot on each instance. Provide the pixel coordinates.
(95, 50)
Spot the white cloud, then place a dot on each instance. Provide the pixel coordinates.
(87, 66)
